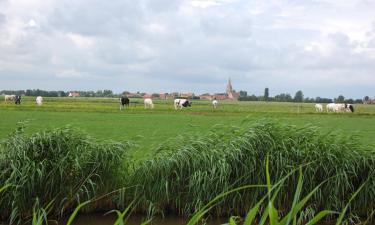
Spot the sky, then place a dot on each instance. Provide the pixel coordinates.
(324, 48)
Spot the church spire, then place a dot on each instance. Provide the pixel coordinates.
(230, 89)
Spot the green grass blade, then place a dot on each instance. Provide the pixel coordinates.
(75, 212)
(320, 216)
(342, 214)
(250, 216)
(232, 221)
(297, 195)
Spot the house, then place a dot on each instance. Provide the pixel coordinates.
(74, 94)
(187, 95)
(206, 96)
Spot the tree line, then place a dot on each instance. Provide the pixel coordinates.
(298, 97)
(38, 92)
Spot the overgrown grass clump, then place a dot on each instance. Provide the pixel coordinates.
(190, 171)
(56, 169)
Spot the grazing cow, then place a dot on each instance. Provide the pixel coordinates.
(182, 103)
(349, 108)
(215, 103)
(318, 107)
(39, 100)
(124, 102)
(9, 98)
(18, 100)
(148, 103)
(338, 107)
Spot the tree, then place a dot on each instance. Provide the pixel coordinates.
(366, 99)
(340, 99)
(243, 93)
(298, 97)
(283, 97)
(266, 94)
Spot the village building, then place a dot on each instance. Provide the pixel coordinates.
(230, 94)
(74, 94)
(205, 96)
(163, 96)
(186, 95)
(220, 96)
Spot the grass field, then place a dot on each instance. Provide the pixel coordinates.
(102, 119)
(193, 164)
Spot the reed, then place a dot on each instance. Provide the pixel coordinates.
(192, 170)
(58, 167)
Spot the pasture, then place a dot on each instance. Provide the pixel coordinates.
(204, 151)
(102, 119)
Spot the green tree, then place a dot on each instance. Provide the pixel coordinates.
(298, 97)
(266, 94)
(340, 99)
(243, 93)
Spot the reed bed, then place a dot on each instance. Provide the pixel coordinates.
(190, 171)
(51, 172)
(56, 169)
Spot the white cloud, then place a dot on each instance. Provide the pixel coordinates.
(190, 45)
(81, 41)
(32, 23)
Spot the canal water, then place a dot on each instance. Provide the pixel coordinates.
(100, 219)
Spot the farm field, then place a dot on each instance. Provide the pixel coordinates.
(193, 164)
(102, 119)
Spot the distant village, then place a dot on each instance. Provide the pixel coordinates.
(230, 94)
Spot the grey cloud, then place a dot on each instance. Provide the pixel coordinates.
(98, 18)
(2, 19)
(162, 6)
(173, 46)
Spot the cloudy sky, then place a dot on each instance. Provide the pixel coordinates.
(323, 47)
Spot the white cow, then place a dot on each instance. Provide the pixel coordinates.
(39, 100)
(148, 103)
(334, 107)
(215, 103)
(9, 98)
(319, 107)
(181, 103)
(339, 107)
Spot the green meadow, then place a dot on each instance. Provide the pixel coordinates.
(193, 154)
(102, 119)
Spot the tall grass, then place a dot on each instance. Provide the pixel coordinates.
(191, 171)
(59, 168)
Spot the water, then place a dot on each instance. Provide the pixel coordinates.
(99, 219)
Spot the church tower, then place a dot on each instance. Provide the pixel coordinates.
(230, 89)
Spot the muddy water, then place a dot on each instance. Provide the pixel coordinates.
(99, 219)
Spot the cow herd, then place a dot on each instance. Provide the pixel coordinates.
(17, 99)
(335, 107)
(184, 103)
(13, 98)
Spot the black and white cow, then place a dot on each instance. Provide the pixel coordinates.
(17, 100)
(339, 107)
(349, 108)
(181, 103)
(124, 102)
